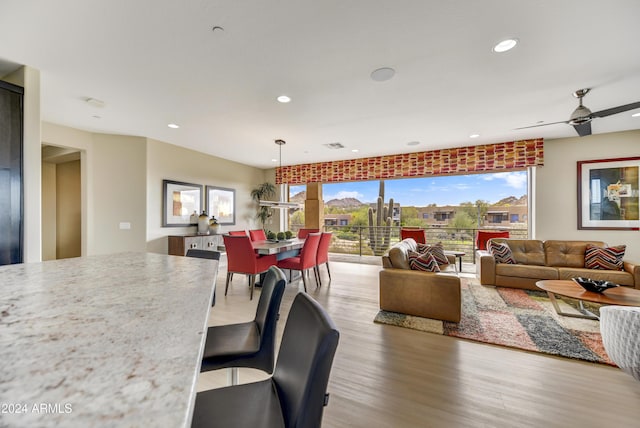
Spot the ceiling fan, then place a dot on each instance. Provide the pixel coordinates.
(581, 117)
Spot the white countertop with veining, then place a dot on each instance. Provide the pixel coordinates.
(103, 341)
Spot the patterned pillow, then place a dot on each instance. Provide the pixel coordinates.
(423, 262)
(608, 258)
(436, 250)
(501, 252)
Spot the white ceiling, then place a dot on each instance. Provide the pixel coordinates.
(153, 62)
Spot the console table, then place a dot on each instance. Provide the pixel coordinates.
(180, 244)
(113, 340)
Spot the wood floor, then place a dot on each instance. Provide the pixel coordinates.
(386, 376)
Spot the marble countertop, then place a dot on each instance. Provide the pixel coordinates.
(103, 341)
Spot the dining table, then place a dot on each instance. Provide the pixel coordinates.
(281, 248)
(107, 340)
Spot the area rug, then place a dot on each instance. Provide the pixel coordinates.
(515, 318)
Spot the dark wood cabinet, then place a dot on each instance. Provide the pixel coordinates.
(11, 184)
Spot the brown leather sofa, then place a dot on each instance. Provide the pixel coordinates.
(553, 259)
(424, 294)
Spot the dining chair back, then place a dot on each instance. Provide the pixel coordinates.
(305, 260)
(483, 236)
(322, 256)
(238, 233)
(296, 394)
(257, 235)
(206, 254)
(302, 233)
(419, 235)
(242, 258)
(248, 344)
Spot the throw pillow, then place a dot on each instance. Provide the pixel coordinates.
(436, 250)
(608, 258)
(501, 252)
(423, 262)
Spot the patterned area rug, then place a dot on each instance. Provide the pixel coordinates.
(515, 318)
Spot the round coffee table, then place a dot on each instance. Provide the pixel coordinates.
(621, 296)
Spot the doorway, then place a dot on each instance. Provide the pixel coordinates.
(61, 203)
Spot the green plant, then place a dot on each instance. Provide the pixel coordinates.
(288, 234)
(263, 191)
(280, 236)
(271, 235)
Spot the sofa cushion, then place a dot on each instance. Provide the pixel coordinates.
(567, 253)
(607, 258)
(620, 277)
(525, 251)
(398, 254)
(527, 271)
(424, 262)
(436, 250)
(501, 252)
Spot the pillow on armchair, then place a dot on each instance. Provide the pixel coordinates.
(424, 262)
(436, 250)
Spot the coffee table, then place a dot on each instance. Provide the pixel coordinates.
(621, 296)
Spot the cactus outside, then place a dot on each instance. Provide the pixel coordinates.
(380, 224)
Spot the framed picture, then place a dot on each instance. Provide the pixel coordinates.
(179, 202)
(608, 194)
(221, 203)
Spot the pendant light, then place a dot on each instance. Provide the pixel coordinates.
(281, 204)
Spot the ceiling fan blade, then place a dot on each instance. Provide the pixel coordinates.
(616, 110)
(542, 124)
(583, 129)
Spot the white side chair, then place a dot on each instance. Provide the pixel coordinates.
(619, 327)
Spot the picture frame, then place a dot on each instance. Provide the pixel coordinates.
(221, 203)
(609, 194)
(179, 202)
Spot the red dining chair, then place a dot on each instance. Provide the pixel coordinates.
(417, 234)
(242, 258)
(483, 236)
(257, 235)
(238, 233)
(323, 255)
(306, 260)
(302, 233)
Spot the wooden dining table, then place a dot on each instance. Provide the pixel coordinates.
(111, 340)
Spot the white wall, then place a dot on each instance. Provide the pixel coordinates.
(166, 161)
(556, 212)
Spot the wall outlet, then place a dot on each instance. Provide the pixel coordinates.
(125, 225)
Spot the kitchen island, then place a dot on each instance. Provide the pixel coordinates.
(110, 340)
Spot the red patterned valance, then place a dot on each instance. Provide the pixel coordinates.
(463, 160)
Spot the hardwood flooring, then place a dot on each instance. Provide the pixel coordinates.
(387, 376)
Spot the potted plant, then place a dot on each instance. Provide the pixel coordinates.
(263, 191)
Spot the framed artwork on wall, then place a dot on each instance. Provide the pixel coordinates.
(608, 194)
(180, 201)
(221, 203)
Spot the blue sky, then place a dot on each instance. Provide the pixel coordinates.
(450, 190)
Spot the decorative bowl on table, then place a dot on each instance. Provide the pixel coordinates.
(276, 241)
(594, 285)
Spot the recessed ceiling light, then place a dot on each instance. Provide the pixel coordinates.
(413, 143)
(383, 74)
(505, 45)
(355, 150)
(474, 135)
(274, 160)
(283, 99)
(636, 114)
(173, 126)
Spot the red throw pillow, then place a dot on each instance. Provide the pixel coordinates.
(608, 258)
(423, 262)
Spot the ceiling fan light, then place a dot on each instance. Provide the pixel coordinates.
(580, 115)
